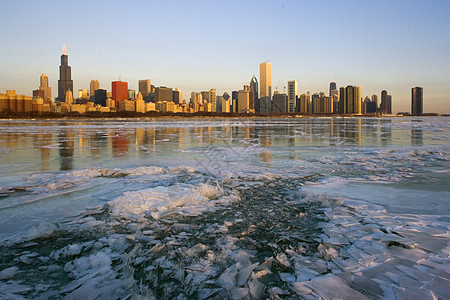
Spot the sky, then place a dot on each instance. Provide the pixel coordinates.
(389, 45)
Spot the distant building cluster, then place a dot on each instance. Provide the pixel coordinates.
(250, 99)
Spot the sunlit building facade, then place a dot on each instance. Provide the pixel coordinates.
(265, 80)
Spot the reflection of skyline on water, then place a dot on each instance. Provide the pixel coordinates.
(58, 145)
(66, 148)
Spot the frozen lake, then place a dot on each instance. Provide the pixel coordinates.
(225, 208)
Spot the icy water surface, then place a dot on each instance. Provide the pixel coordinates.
(344, 208)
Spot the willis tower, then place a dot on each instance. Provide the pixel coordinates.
(65, 81)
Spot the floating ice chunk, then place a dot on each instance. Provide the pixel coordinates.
(242, 258)
(44, 229)
(333, 287)
(72, 250)
(157, 248)
(206, 293)
(11, 288)
(328, 253)
(149, 170)
(287, 277)
(228, 278)
(305, 274)
(239, 293)
(244, 274)
(413, 273)
(180, 198)
(8, 273)
(196, 250)
(256, 288)
(267, 265)
(283, 260)
(300, 289)
(42, 287)
(262, 273)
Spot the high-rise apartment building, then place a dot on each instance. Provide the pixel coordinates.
(93, 86)
(417, 101)
(342, 101)
(145, 87)
(292, 95)
(389, 104)
(352, 102)
(44, 87)
(212, 99)
(265, 80)
(357, 100)
(65, 82)
(384, 100)
(119, 91)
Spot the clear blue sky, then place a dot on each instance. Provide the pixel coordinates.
(198, 45)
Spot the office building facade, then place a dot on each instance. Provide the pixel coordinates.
(145, 87)
(265, 80)
(119, 91)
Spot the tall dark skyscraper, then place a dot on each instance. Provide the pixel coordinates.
(384, 102)
(417, 101)
(342, 101)
(253, 92)
(332, 87)
(65, 81)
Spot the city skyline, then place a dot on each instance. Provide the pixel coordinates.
(399, 45)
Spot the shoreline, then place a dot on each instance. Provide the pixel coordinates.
(105, 116)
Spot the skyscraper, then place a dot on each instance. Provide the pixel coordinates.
(280, 103)
(389, 104)
(65, 82)
(292, 95)
(342, 101)
(357, 100)
(243, 101)
(145, 87)
(212, 99)
(44, 87)
(352, 99)
(163, 93)
(94, 85)
(417, 101)
(100, 97)
(332, 87)
(375, 99)
(253, 92)
(119, 91)
(265, 79)
(384, 102)
(304, 100)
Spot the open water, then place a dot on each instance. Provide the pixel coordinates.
(348, 208)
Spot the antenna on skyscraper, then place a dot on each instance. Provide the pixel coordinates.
(64, 49)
